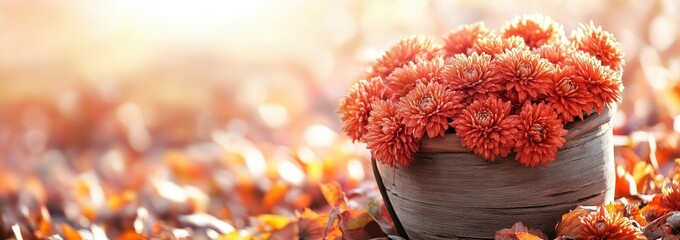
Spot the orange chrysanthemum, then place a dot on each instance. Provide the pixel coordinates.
(670, 199)
(607, 225)
(600, 44)
(568, 96)
(405, 51)
(428, 108)
(355, 107)
(536, 30)
(402, 80)
(474, 77)
(525, 75)
(540, 135)
(604, 83)
(487, 128)
(497, 45)
(462, 39)
(387, 137)
(556, 52)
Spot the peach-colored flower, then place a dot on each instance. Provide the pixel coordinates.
(607, 225)
(604, 83)
(600, 44)
(670, 198)
(487, 128)
(536, 30)
(462, 39)
(387, 137)
(525, 75)
(405, 51)
(555, 52)
(402, 80)
(540, 135)
(474, 77)
(428, 108)
(569, 95)
(355, 107)
(494, 45)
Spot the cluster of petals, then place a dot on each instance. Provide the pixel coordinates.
(428, 109)
(540, 135)
(387, 137)
(473, 77)
(500, 92)
(487, 128)
(536, 30)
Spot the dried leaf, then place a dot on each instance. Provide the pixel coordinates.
(44, 224)
(70, 233)
(132, 235)
(311, 224)
(359, 225)
(519, 232)
(625, 183)
(334, 195)
(571, 222)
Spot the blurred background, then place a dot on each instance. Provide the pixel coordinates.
(228, 107)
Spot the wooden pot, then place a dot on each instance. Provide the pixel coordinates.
(450, 193)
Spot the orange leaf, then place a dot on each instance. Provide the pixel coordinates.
(527, 236)
(132, 235)
(625, 183)
(272, 222)
(44, 224)
(311, 224)
(70, 233)
(571, 222)
(519, 232)
(334, 195)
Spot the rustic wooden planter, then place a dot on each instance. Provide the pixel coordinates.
(449, 193)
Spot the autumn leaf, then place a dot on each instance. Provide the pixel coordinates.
(312, 225)
(334, 195)
(571, 221)
(519, 232)
(132, 235)
(70, 233)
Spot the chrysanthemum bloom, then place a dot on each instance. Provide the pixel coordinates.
(387, 137)
(405, 51)
(355, 107)
(607, 225)
(536, 30)
(604, 83)
(670, 199)
(569, 95)
(540, 135)
(555, 52)
(599, 43)
(524, 74)
(487, 128)
(462, 39)
(402, 80)
(496, 45)
(428, 108)
(474, 77)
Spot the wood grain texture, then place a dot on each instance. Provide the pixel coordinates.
(449, 193)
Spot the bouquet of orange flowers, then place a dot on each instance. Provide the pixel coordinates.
(505, 92)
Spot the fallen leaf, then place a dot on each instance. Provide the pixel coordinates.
(519, 232)
(70, 233)
(334, 195)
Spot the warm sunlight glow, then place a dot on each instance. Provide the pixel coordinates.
(291, 173)
(320, 135)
